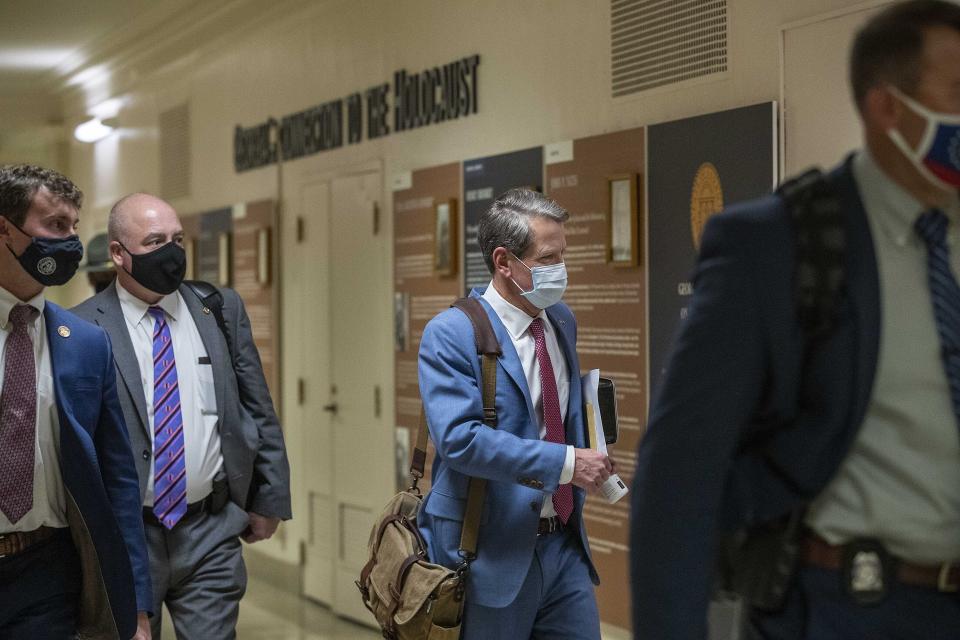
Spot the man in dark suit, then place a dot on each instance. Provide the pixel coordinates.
(72, 552)
(208, 445)
(856, 433)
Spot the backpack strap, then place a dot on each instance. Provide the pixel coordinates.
(819, 279)
(211, 298)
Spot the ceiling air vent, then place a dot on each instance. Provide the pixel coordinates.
(660, 42)
(175, 152)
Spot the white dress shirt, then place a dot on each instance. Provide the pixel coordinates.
(517, 323)
(49, 499)
(198, 400)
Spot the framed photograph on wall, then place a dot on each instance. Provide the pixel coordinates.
(446, 231)
(623, 246)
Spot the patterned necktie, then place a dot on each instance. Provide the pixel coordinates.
(945, 295)
(18, 417)
(563, 496)
(169, 466)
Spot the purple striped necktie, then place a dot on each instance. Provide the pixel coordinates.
(169, 465)
(18, 417)
(563, 496)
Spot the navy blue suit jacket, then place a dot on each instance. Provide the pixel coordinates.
(521, 469)
(99, 477)
(736, 435)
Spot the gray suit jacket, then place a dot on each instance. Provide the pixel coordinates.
(254, 456)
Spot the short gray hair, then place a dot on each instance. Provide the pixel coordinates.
(507, 222)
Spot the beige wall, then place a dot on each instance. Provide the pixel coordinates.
(544, 76)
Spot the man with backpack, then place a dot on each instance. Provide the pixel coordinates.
(532, 576)
(824, 461)
(207, 442)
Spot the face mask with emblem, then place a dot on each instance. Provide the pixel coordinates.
(549, 284)
(50, 261)
(937, 157)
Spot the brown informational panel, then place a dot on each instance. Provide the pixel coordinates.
(254, 275)
(426, 281)
(236, 247)
(607, 293)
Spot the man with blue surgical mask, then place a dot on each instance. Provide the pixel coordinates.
(533, 576)
(835, 454)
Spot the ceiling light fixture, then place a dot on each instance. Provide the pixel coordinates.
(94, 129)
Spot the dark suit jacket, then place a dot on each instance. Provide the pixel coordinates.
(736, 435)
(99, 478)
(254, 457)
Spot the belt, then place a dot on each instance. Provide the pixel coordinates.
(19, 541)
(200, 506)
(944, 577)
(549, 525)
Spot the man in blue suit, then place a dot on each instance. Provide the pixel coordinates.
(72, 554)
(854, 434)
(533, 576)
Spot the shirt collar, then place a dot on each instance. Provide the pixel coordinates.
(516, 320)
(8, 301)
(134, 309)
(893, 208)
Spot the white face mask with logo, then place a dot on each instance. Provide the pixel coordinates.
(549, 283)
(937, 158)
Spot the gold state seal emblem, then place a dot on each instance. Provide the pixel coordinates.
(706, 199)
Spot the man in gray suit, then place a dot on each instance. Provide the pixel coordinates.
(209, 448)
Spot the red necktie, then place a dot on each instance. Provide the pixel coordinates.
(563, 496)
(18, 417)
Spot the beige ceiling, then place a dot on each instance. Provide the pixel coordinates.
(42, 43)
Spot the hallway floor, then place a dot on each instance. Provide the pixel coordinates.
(268, 613)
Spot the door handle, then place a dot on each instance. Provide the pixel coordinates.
(333, 407)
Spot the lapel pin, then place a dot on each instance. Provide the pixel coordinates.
(64, 331)
(206, 310)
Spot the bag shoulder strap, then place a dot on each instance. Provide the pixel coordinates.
(488, 347)
(819, 278)
(211, 298)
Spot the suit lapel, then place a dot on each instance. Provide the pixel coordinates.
(863, 285)
(510, 361)
(213, 341)
(573, 369)
(112, 320)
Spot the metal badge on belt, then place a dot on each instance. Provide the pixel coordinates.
(867, 571)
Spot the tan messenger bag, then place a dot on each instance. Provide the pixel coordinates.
(411, 597)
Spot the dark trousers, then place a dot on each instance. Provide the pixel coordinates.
(820, 609)
(40, 590)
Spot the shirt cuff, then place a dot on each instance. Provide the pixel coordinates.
(567, 474)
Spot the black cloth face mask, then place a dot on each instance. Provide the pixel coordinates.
(162, 270)
(50, 261)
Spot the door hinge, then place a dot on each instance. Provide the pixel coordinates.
(376, 401)
(301, 232)
(376, 218)
(301, 391)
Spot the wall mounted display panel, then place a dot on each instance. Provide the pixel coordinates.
(609, 302)
(483, 180)
(697, 166)
(421, 289)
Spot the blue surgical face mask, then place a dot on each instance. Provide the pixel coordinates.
(549, 283)
(937, 158)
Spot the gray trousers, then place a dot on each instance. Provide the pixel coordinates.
(198, 572)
